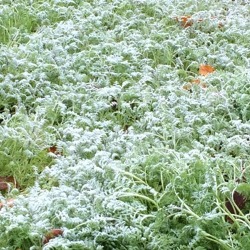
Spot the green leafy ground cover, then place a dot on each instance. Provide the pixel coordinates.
(144, 163)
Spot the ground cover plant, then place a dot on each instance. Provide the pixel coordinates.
(124, 124)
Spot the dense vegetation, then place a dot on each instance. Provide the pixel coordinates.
(124, 124)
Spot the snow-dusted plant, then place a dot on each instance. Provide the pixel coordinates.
(114, 137)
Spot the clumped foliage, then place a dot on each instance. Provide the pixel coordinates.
(125, 124)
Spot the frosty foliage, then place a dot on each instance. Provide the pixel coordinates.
(142, 161)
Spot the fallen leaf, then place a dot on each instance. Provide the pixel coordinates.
(205, 69)
(9, 203)
(188, 20)
(6, 182)
(220, 25)
(185, 21)
(54, 150)
(187, 86)
(53, 233)
(239, 200)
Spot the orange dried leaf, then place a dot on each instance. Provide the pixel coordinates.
(54, 150)
(52, 234)
(205, 69)
(185, 21)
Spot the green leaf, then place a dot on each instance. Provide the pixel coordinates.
(244, 188)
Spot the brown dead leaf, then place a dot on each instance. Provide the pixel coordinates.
(52, 234)
(6, 182)
(54, 150)
(9, 203)
(240, 202)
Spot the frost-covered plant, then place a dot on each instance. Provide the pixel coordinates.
(142, 161)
